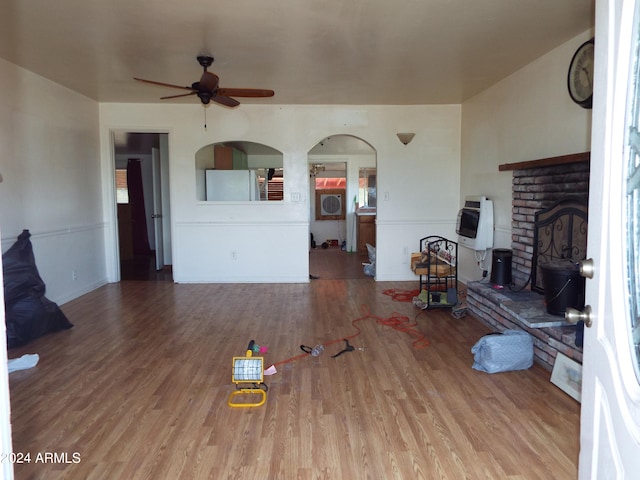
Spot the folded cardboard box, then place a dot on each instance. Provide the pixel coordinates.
(438, 270)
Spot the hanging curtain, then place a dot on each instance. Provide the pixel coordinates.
(138, 215)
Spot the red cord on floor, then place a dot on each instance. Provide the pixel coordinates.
(398, 322)
(401, 295)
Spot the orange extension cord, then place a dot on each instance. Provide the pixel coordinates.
(401, 295)
(398, 322)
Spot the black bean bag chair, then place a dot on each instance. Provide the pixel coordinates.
(28, 313)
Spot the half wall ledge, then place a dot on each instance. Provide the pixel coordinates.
(505, 309)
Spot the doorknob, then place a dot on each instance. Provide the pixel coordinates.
(587, 267)
(573, 315)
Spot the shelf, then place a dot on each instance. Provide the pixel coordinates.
(436, 266)
(546, 162)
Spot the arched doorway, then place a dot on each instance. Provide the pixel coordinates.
(342, 186)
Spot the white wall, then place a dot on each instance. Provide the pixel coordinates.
(48, 159)
(527, 116)
(268, 242)
(49, 163)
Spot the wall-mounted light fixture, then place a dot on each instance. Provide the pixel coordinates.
(405, 138)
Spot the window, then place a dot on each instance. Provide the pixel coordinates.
(122, 190)
(367, 196)
(271, 183)
(330, 183)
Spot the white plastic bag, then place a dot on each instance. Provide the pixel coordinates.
(511, 350)
(370, 268)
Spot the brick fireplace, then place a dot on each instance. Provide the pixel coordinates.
(534, 189)
(536, 185)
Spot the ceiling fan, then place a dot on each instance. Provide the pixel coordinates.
(207, 88)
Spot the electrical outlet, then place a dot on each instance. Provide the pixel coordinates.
(234, 255)
(74, 274)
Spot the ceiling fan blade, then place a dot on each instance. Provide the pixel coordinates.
(223, 100)
(178, 96)
(245, 92)
(209, 81)
(152, 82)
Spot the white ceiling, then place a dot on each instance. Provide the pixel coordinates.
(309, 51)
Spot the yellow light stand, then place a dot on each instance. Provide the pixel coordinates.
(247, 370)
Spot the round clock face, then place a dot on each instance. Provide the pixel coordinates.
(580, 78)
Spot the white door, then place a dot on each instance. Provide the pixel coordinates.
(610, 421)
(157, 207)
(6, 447)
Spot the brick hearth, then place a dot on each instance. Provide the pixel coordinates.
(525, 310)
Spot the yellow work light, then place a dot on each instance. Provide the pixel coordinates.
(247, 373)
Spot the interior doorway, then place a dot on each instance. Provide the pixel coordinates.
(335, 193)
(142, 202)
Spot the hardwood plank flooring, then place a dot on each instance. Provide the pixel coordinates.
(139, 388)
(143, 267)
(334, 264)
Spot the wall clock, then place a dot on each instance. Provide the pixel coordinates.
(580, 77)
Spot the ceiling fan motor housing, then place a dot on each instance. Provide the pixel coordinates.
(205, 60)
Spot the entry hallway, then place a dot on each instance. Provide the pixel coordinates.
(139, 388)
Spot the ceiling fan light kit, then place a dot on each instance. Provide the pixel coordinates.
(207, 89)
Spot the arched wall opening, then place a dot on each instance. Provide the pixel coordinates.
(342, 193)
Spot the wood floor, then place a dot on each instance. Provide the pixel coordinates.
(335, 264)
(139, 388)
(143, 267)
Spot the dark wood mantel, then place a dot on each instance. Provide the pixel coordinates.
(545, 162)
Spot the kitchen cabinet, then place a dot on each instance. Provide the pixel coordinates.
(366, 228)
(223, 157)
(229, 158)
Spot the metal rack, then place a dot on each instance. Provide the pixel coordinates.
(438, 272)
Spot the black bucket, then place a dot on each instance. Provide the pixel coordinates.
(501, 266)
(563, 286)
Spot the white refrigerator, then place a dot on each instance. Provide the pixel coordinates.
(232, 185)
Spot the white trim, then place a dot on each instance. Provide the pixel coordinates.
(6, 446)
(8, 241)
